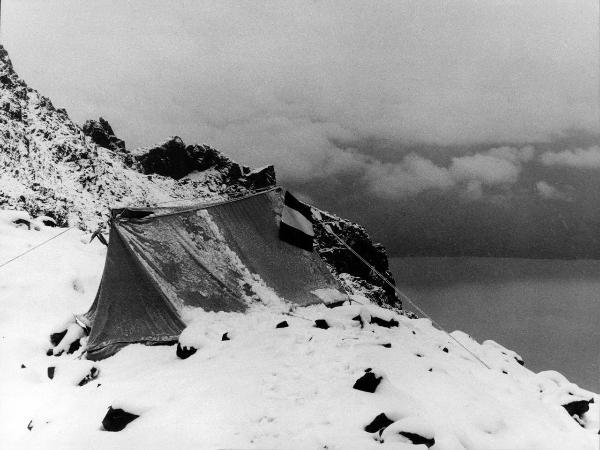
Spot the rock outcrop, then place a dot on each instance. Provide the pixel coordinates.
(103, 135)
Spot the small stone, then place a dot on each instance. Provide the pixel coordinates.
(55, 338)
(388, 345)
(384, 323)
(379, 423)
(22, 366)
(184, 352)
(225, 337)
(321, 323)
(51, 371)
(367, 383)
(417, 439)
(117, 419)
(92, 375)
(578, 408)
(283, 324)
(445, 349)
(30, 425)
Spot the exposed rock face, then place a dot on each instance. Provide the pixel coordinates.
(354, 274)
(176, 160)
(103, 135)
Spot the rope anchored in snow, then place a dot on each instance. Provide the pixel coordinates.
(5, 263)
(402, 294)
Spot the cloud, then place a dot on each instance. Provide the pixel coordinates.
(580, 158)
(276, 82)
(415, 174)
(547, 191)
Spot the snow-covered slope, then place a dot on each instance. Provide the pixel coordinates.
(49, 165)
(266, 387)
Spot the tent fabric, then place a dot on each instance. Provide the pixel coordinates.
(209, 257)
(128, 308)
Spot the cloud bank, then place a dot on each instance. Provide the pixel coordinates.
(282, 82)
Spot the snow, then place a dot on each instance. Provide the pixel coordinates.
(288, 388)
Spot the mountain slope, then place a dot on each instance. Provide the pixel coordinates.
(265, 387)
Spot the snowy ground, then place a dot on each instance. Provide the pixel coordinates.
(266, 388)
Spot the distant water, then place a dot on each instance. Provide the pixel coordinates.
(548, 311)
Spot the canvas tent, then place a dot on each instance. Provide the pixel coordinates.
(163, 260)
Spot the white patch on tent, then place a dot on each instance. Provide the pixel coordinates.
(329, 295)
(266, 294)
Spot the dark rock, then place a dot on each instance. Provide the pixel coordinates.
(388, 345)
(184, 352)
(49, 222)
(92, 375)
(384, 323)
(22, 366)
(55, 338)
(359, 320)
(283, 324)
(578, 407)
(321, 323)
(519, 360)
(367, 383)
(225, 337)
(49, 352)
(417, 439)
(505, 372)
(30, 425)
(261, 179)
(335, 304)
(445, 349)
(117, 419)
(169, 159)
(176, 160)
(379, 423)
(75, 345)
(341, 260)
(25, 222)
(51, 371)
(103, 135)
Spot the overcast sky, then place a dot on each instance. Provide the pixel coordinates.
(362, 106)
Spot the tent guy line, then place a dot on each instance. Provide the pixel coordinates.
(403, 295)
(35, 247)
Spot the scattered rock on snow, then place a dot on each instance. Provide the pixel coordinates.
(185, 352)
(321, 323)
(55, 338)
(578, 408)
(384, 323)
(117, 419)
(378, 424)
(92, 375)
(368, 382)
(417, 439)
